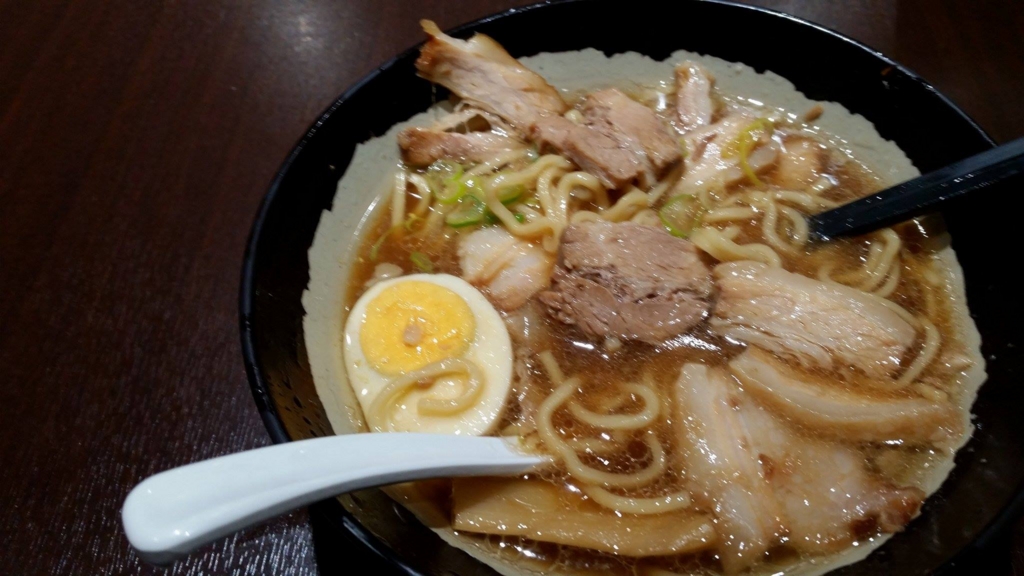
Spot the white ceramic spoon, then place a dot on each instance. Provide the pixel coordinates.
(172, 513)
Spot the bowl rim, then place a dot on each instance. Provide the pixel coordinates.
(257, 384)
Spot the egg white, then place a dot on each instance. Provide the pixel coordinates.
(491, 350)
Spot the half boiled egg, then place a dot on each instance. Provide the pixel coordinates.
(400, 326)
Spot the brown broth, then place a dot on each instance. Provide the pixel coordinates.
(601, 371)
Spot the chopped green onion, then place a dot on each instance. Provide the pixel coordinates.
(532, 202)
(410, 221)
(444, 172)
(490, 219)
(510, 194)
(454, 191)
(451, 194)
(375, 249)
(470, 211)
(446, 180)
(681, 215)
(520, 217)
(475, 188)
(744, 143)
(421, 262)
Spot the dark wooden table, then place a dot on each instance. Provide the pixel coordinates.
(136, 141)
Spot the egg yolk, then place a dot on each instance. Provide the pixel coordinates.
(414, 323)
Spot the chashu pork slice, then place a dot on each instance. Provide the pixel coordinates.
(620, 140)
(628, 281)
(712, 161)
(694, 106)
(843, 413)
(423, 146)
(716, 450)
(481, 72)
(769, 483)
(827, 496)
(819, 324)
(634, 126)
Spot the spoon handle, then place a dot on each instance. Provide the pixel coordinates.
(921, 195)
(174, 512)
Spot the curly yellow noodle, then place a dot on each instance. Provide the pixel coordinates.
(930, 348)
(659, 189)
(587, 181)
(803, 199)
(886, 260)
(900, 311)
(715, 243)
(550, 243)
(577, 469)
(769, 231)
(633, 505)
(530, 173)
(798, 227)
(585, 216)
(560, 196)
(567, 454)
(496, 162)
(426, 195)
(525, 177)
(730, 200)
(432, 223)
(551, 367)
(706, 197)
(652, 407)
(530, 213)
(545, 183)
(731, 232)
(891, 283)
(377, 413)
(881, 269)
(646, 217)
(625, 208)
(530, 229)
(596, 446)
(398, 199)
(729, 214)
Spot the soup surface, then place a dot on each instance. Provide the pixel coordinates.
(718, 393)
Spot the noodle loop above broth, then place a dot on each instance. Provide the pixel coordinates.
(377, 415)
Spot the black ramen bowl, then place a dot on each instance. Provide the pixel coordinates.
(982, 496)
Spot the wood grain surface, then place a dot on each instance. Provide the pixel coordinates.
(136, 141)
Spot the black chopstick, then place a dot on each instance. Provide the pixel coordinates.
(921, 195)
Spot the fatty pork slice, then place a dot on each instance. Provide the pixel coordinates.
(510, 270)
(819, 324)
(423, 146)
(828, 497)
(592, 150)
(716, 452)
(480, 71)
(628, 281)
(694, 106)
(711, 163)
(800, 164)
(621, 141)
(769, 483)
(634, 126)
(843, 413)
